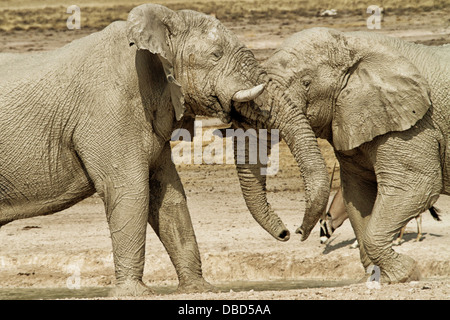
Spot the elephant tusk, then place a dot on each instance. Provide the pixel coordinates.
(248, 94)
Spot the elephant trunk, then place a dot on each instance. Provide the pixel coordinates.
(253, 186)
(302, 142)
(274, 110)
(251, 179)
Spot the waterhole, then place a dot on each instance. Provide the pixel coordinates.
(98, 292)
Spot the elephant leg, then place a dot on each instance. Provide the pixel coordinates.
(170, 219)
(393, 209)
(121, 180)
(127, 213)
(390, 213)
(359, 192)
(126, 206)
(409, 181)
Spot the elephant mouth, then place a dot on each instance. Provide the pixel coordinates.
(235, 115)
(219, 110)
(227, 109)
(240, 120)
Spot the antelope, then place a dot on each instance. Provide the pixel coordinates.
(337, 214)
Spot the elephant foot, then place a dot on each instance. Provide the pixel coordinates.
(196, 287)
(404, 269)
(131, 287)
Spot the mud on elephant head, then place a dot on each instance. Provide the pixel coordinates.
(205, 64)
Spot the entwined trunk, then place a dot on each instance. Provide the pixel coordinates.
(276, 111)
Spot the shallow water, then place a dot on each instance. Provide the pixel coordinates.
(52, 293)
(93, 292)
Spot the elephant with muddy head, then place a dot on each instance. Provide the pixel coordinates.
(384, 106)
(97, 116)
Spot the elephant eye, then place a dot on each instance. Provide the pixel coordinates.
(217, 54)
(306, 83)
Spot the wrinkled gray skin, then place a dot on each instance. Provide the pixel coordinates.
(295, 130)
(384, 105)
(97, 116)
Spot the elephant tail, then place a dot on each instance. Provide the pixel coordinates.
(434, 213)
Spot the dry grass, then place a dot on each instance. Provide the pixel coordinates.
(51, 14)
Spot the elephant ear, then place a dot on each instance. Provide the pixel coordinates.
(148, 27)
(383, 92)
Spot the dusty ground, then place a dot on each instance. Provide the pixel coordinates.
(49, 251)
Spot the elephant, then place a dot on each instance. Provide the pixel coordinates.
(383, 104)
(96, 116)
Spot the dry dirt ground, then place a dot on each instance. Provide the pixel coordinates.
(74, 245)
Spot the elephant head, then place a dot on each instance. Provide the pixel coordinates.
(351, 87)
(340, 87)
(207, 69)
(204, 63)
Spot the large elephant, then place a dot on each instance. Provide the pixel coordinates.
(384, 105)
(97, 116)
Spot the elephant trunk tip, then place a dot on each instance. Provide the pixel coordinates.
(304, 233)
(284, 235)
